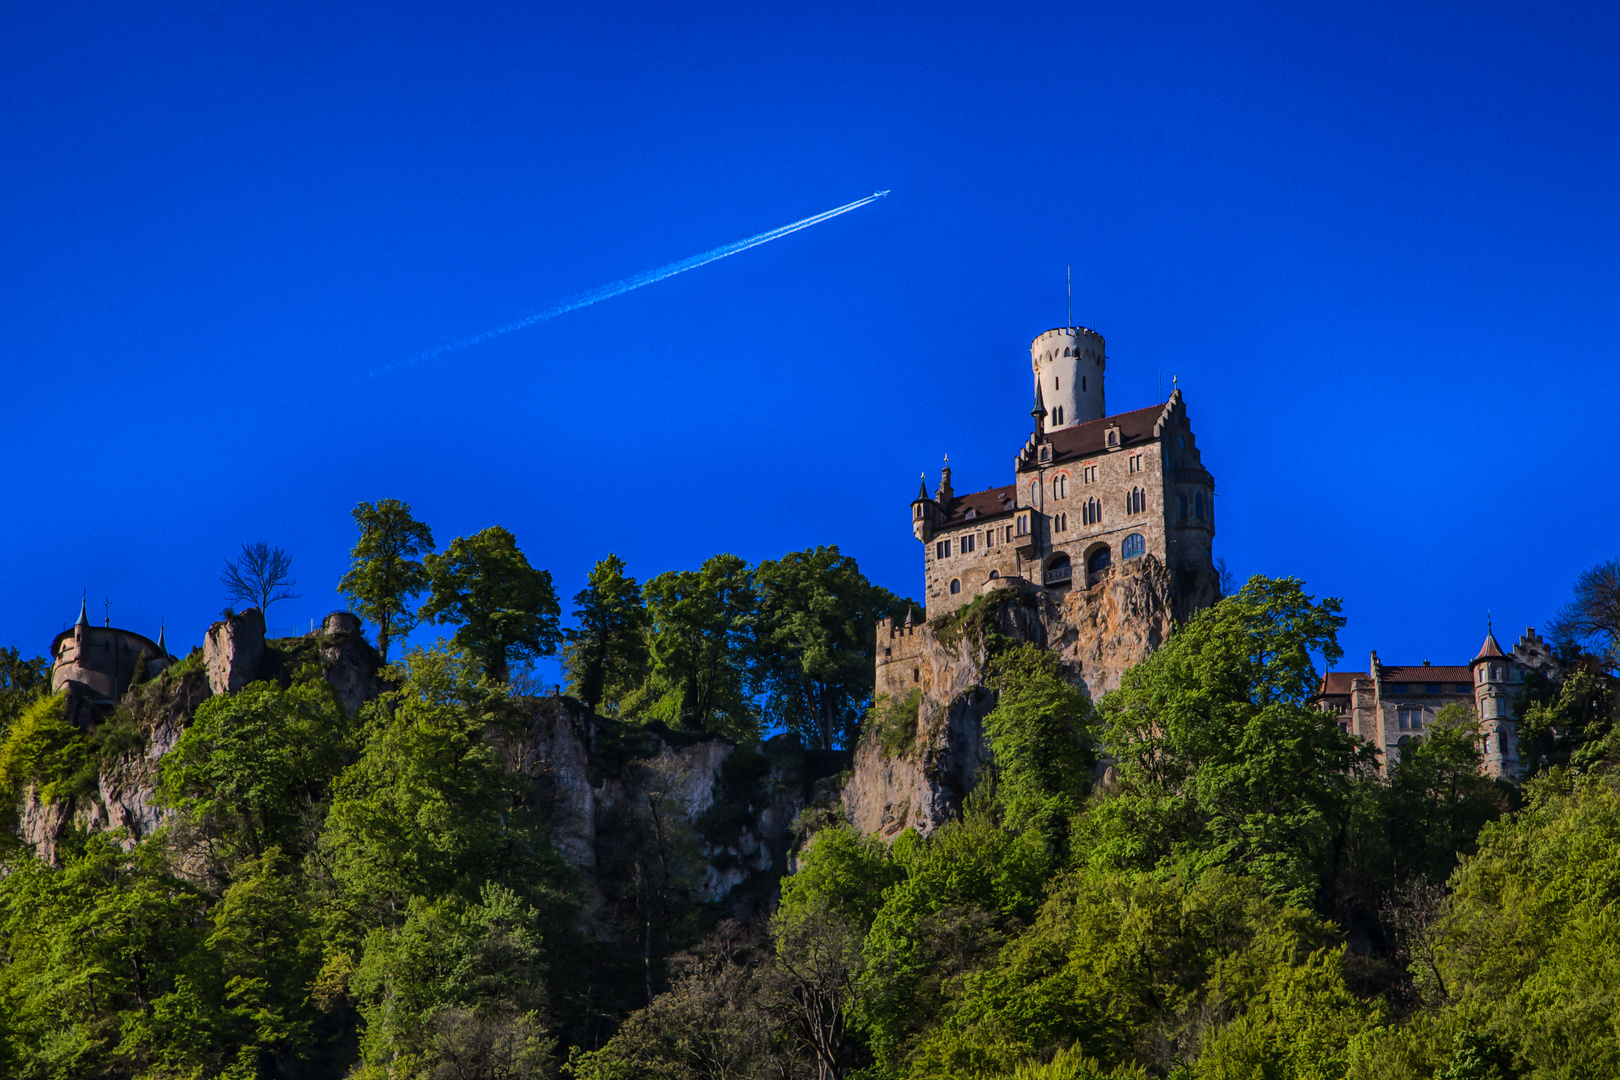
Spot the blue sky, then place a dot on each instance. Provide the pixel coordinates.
(1376, 244)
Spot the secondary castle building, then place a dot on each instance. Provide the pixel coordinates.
(96, 665)
(1394, 706)
(1090, 491)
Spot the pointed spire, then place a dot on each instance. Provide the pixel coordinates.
(84, 612)
(911, 612)
(162, 646)
(1491, 650)
(922, 488)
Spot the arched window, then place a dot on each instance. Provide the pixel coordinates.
(956, 586)
(1060, 486)
(1034, 492)
(1198, 505)
(1057, 571)
(1113, 438)
(1098, 562)
(994, 574)
(1501, 743)
(1133, 546)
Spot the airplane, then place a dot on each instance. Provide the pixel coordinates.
(880, 194)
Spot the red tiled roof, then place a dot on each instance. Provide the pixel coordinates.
(983, 504)
(1338, 682)
(1088, 438)
(1428, 674)
(1490, 650)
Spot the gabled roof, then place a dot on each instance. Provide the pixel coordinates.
(1338, 682)
(1083, 440)
(1000, 500)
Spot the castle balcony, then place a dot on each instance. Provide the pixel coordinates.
(1060, 574)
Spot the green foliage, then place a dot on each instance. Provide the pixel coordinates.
(21, 681)
(1570, 722)
(504, 609)
(702, 625)
(606, 657)
(385, 572)
(894, 723)
(1041, 736)
(1529, 945)
(1223, 759)
(815, 642)
(429, 810)
(253, 771)
(44, 750)
(456, 981)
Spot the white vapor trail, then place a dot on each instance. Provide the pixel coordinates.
(625, 285)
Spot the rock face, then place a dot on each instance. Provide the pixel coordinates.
(233, 651)
(917, 778)
(720, 815)
(234, 654)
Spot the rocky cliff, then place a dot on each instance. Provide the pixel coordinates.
(924, 749)
(715, 816)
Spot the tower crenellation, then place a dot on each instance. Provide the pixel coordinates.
(1068, 365)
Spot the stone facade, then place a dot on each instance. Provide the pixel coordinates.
(1394, 706)
(1087, 494)
(97, 664)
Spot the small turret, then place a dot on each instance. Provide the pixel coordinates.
(1039, 412)
(1068, 364)
(924, 513)
(1498, 730)
(945, 494)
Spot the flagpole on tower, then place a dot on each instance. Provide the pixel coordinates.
(1068, 272)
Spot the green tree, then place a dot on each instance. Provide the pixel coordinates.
(1041, 737)
(1439, 798)
(430, 809)
(253, 771)
(504, 609)
(457, 990)
(1571, 720)
(815, 642)
(606, 656)
(21, 681)
(702, 627)
(1223, 759)
(386, 572)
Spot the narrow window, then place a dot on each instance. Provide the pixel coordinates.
(1057, 383)
(956, 586)
(1082, 384)
(942, 549)
(989, 538)
(1113, 438)
(1184, 508)
(916, 674)
(1198, 505)
(967, 543)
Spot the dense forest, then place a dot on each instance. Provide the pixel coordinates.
(1198, 875)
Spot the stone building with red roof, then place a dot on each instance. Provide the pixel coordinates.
(1394, 706)
(1089, 493)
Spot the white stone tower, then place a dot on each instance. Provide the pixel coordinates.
(1068, 363)
(1498, 729)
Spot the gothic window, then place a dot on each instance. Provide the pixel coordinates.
(956, 586)
(1034, 492)
(1133, 546)
(1057, 414)
(1060, 486)
(1135, 501)
(1113, 438)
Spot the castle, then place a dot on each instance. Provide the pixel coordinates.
(97, 664)
(1089, 491)
(1394, 706)
(1105, 536)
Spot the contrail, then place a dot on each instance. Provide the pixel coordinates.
(625, 285)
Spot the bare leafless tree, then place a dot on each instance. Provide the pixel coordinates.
(260, 577)
(1592, 617)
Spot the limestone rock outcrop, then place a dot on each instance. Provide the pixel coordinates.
(918, 779)
(233, 651)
